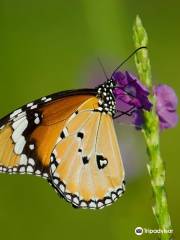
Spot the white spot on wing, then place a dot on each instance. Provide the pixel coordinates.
(45, 175)
(103, 162)
(31, 161)
(19, 146)
(37, 120)
(75, 200)
(108, 201)
(34, 106)
(65, 132)
(62, 188)
(48, 99)
(31, 146)
(22, 169)
(20, 115)
(30, 104)
(100, 205)
(38, 172)
(14, 169)
(30, 169)
(53, 167)
(114, 197)
(23, 159)
(55, 181)
(19, 130)
(18, 122)
(92, 205)
(68, 197)
(15, 113)
(56, 174)
(83, 204)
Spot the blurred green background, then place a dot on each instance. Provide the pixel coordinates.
(45, 47)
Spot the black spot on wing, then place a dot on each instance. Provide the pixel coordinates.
(80, 135)
(62, 135)
(101, 161)
(85, 159)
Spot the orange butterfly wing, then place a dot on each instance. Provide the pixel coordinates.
(86, 165)
(28, 135)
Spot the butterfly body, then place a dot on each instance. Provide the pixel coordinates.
(69, 139)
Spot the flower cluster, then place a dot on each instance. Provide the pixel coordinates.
(132, 99)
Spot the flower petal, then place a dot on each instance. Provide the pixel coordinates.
(120, 78)
(166, 106)
(131, 91)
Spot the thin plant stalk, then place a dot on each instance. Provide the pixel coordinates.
(150, 130)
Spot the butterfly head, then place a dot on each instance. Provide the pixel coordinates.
(106, 97)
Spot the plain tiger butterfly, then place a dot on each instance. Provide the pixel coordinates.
(69, 139)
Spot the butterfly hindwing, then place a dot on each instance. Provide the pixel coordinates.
(86, 166)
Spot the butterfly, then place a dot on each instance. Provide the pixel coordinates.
(68, 138)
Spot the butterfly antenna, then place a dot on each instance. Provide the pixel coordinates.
(103, 69)
(143, 47)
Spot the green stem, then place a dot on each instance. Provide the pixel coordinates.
(150, 130)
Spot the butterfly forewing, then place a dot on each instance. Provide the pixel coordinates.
(86, 165)
(28, 135)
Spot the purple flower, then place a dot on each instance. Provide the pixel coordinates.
(130, 91)
(132, 99)
(166, 106)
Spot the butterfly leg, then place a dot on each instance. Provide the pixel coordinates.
(128, 112)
